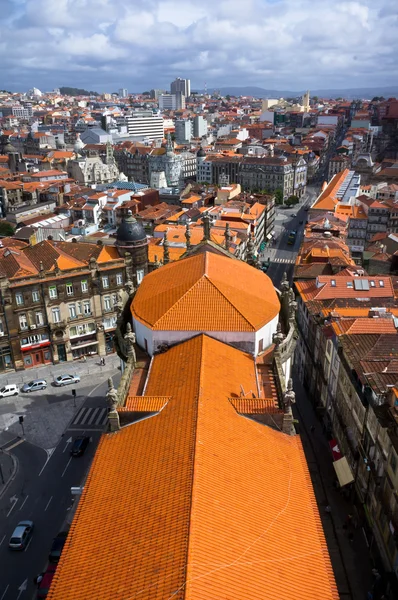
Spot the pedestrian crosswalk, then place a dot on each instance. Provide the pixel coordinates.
(288, 261)
(88, 418)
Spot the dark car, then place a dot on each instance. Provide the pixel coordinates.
(45, 583)
(80, 445)
(57, 547)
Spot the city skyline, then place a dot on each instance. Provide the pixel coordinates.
(273, 44)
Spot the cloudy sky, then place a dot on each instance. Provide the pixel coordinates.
(139, 44)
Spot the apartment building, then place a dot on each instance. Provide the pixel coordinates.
(145, 125)
(60, 300)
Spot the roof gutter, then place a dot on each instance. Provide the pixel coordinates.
(147, 376)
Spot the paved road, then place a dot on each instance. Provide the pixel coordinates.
(41, 493)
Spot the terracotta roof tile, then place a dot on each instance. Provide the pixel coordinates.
(200, 518)
(206, 292)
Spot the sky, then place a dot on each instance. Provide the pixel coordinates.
(104, 45)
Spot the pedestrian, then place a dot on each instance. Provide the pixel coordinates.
(103, 361)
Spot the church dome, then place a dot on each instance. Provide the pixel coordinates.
(130, 231)
(206, 292)
(200, 153)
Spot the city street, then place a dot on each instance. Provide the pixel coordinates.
(41, 490)
(282, 255)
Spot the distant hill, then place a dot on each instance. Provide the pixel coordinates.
(71, 91)
(351, 93)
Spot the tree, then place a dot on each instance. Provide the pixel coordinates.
(278, 196)
(6, 229)
(228, 97)
(315, 98)
(292, 200)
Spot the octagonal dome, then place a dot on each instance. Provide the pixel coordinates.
(206, 292)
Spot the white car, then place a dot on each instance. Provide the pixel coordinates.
(9, 390)
(66, 379)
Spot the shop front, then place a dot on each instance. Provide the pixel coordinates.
(5, 359)
(36, 350)
(109, 341)
(84, 347)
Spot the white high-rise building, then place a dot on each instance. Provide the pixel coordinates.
(181, 85)
(183, 131)
(199, 126)
(172, 101)
(123, 93)
(145, 124)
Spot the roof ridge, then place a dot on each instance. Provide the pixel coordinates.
(230, 303)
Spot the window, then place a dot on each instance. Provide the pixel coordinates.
(84, 286)
(107, 303)
(333, 282)
(56, 315)
(52, 291)
(19, 298)
(381, 283)
(1, 328)
(114, 299)
(79, 308)
(35, 296)
(72, 311)
(372, 283)
(140, 275)
(105, 281)
(119, 279)
(87, 307)
(349, 284)
(23, 322)
(84, 329)
(39, 318)
(69, 289)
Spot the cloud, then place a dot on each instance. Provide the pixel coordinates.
(107, 44)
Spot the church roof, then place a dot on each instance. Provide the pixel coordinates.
(206, 292)
(197, 502)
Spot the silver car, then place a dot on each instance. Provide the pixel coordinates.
(66, 379)
(21, 535)
(35, 385)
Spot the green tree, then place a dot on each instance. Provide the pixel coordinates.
(6, 229)
(315, 98)
(278, 196)
(292, 200)
(228, 97)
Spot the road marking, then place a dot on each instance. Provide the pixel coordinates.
(9, 442)
(81, 429)
(96, 410)
(14, 445)
(48, 504)
(20, 508)
(4, 537)
(22, 588)
(49, 455)
(67, 465)
(28, 545)
(5, 591)
(85, 418)
(14, 500)
(67, 444)
(79, 414)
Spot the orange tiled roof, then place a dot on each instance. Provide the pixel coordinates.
(328, 199)
(324, 289)
(364, 325)
(200, 518)
(206, 292)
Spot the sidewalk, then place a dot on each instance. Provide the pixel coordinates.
(50, 372)
(8, 468)
(350, 559)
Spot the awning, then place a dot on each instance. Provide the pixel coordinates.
(84, 345)
(343, 471)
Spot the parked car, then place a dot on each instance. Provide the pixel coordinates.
(293, 215)
(21, 535)
(9, 390)
(45, 583)
(79, 445)
(35, 385)
(57, 546)
(66, 379)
